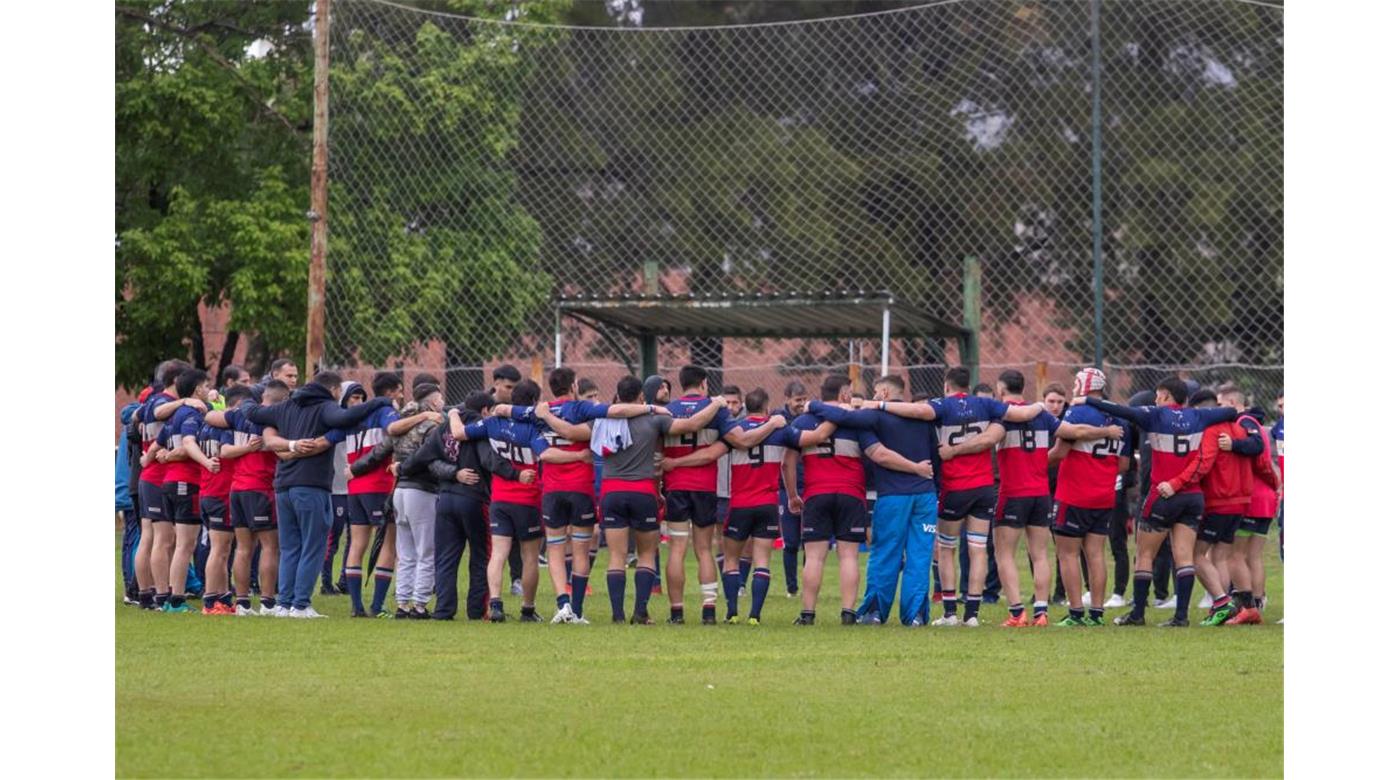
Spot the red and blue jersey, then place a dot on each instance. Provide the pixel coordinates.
(211, 441)
(514, 441)
(697, 478)
(833, 466)
(754, 473)
(960, 417)
(1023, 456)
(184, 424)
(574, 477)
(913, 439)
(1172, 432)
(256, 470)
(151, 429)
(359, 442)
(1088, 476)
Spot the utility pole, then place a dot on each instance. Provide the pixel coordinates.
(316, 275)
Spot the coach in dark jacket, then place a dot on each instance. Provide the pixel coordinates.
(463, 473)
(303, 483)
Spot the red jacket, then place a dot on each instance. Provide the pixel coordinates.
(1227, 479)
(1264, 500)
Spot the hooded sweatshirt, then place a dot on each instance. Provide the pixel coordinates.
(442, 456)
(310, 412)
(1226, 478)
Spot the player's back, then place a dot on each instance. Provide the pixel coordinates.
(575, 477)
(1088, 476)
(962, 417)
(698, 478)
(1023, 456)
(755, 472)
(1174, 433)
(832, 466)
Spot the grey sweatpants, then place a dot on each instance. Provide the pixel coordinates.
(415, 512)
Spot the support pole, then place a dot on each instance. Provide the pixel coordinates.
(885, 343)
(648, 345)
(1094, 7)
(558, 340)
(316, 274)
(972, 315)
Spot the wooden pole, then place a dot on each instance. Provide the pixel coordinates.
(316, 275)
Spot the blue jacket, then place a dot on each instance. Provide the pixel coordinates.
(126, 477)
(914, 439)
(309, 413)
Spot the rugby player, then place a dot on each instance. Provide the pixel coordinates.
(153, 575)
(183, 459)
(503, 381)
(832, 504)
(1247, 553)
(218, 445)
(795, 399)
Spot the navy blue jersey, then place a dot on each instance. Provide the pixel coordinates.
(1173, 433)
(833, 466)
(960, 417)
(914, 439)
(754, 473)
(514, 442)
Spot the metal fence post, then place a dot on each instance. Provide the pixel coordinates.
(972, 314)
(1098, 183)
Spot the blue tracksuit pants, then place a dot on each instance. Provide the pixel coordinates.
(901, 554)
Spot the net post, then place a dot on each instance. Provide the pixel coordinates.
(885, 342)
(316, 273)
(648, 345)
(1097, 156)
(972, 314)
(558, 339)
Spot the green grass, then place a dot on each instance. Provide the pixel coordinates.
(229, 696)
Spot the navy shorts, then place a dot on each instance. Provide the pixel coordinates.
(216, 514)
(760, 522)
(1160, 514)
(1021, 512)
(254, 509)
(834, 514)
(696, 506)
(1075, 522)
(631, 509)
(181, 502)
(152, 501)
(980, 503)
(1255, 526)
(566, 508)
(1218, 529)
(515, 520)
(368, 508)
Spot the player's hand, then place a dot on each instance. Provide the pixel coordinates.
(213, 465)
(667, 465)
(946, 452)
(1226, 443)
(163, 456)
(213, 395)
(394, 469)
(195, 403)
(305, 446)
(779, 421)
(527, 476)
(468, 476)
(542, 409)
(348, 474)
(454, 412)
(795, 504)
(856, 403)
(1078, 400)
(1165, 489)
(926, 469)
(434, 417)
(500, 410)
(661, 409)
(255, 443)
(1115, 432)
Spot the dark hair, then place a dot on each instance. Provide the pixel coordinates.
(507, 372)
(982, 387)
(1204, 397)
(230, 374)
(893, 380)
(731, 390)
(425, 378)
(1176, 388)
(1014, 380)
(275, 386)
(172, 372)
(629, 388)
(277, 365)
(477, 401)
(527, 393)
(756, 400)
(385, 382)
(238, 392)
(561, 380)
(424, 390)
(188, 380)
(794, 389)
(1055, 387)
(831, 386)
(328, 379)
(586, 386)
(958, 378)
(692, 376)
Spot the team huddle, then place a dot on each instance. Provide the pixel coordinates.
(265, 480)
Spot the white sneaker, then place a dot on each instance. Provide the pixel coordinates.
(580, 620)
(971, 622)
(1206, 602)
(564, 615)
(1116, 600)
(1167, 603)
(916, 623)
(947, 620)
(245, 611)
(516, 589)
(307, 612)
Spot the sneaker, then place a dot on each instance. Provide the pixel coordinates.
(1127, 619)
(1059, 601)
(267, 611)
(947, 620)
(708, 621)
(307, 612)
(619, 621)
(675, 620)
(1040, 621)
(804, 620)
(1088, 599)
(1219, 617)
(419, 614)
(971, 622)
(1070, 621)
(733, 620)
(631, 560)
(753, 621)
(1016, 621)
(496, 616)
(564, 615)
(543, 559)
(848, 619)
(1167, 603)
(1115, 601)
(1175, 623)
(869, 619)
(1246, 617)
(1095, 622)
(402, 614)
(1279, 622)
(918, 623)
(1263, 604)
(1205, 602)
(792, 594)
(580, 620)
(129, 601)
(384, 614)
(245, 611)
(516, 589)
(643, 620)
(359, 613)
(183, 608)
(530, 617)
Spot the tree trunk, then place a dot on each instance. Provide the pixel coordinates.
(230, 347)
(256, 358)
(197, 357)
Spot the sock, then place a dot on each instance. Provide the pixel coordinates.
(162, 598)
(974, 604)
(745, 567)
(1096, 613)
(580, 589)
(568, 566)
(677, 612)
(731, 593)
(845, 613)
(617, 590)
(245, 602)
(1041, 608)
(707, 612)
(950, 603)
(355, 579)
(1185, 583)
(1142, 584)
(809, 616)
(1077, 614)
(147, 597)
(561, 600)
(1244, 599)
(268, 602)
(527, 610)
(496, 605)
(1259, 602)
(382, 578)
(1219, 603)
(1017, 609)
(760, 591)
(209, 599)
(177, 601)
(643, 579)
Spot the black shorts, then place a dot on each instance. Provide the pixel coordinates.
(1160, 514)
(253, 509)
(515, 520)
(760, 522)
(216, 514)
(980, 503)
(340, 509)
(152, 500)
(1021, 512)
(631, 509)
(834, 514)
(566, 508)
(696, 506)
(1218, 529)
(368, 508)
(1255, 526)
(181, 502)
(1075, 522)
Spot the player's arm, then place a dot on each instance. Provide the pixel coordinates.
(333, 416)
(817, 435)
(1059, 451)
(217, 418)
(1140, 416)
(696, 421)
(1023, 413)
(1252, 445)
(151, 455)
(888, 458)
(861, 419)
(1198, 464)
(570, 431)
(910, 410)
(168, 408)
(619, 411)
(405, 424)
(1080, 431)
(741, 439)
(376, 457)
(700, 457)
(254, 444)
(494, 463)
(463, 432)
(556, 455)
(971, 446)
(790, 482)
(189, 446)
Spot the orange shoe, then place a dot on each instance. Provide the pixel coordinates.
(1246, 617)
(1042, 620)
(1016, 621)
(588, 591)
(214, 610)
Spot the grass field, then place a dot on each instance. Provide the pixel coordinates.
(233, 697)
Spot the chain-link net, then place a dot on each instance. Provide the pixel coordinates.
(482, 167)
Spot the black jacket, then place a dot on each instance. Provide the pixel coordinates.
(309, 413)
(442, 456)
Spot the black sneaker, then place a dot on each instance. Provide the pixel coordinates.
(530, 617)
(848, 618)
(402, 614)
(642, 620)
(675, 620)
(708, 620)
(1127, 619)
(419, 614)
(804, 620)
(342, 586)
(1175, 622)
(496, 616)
(359, 613)
(619, 621)
(328, 589)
